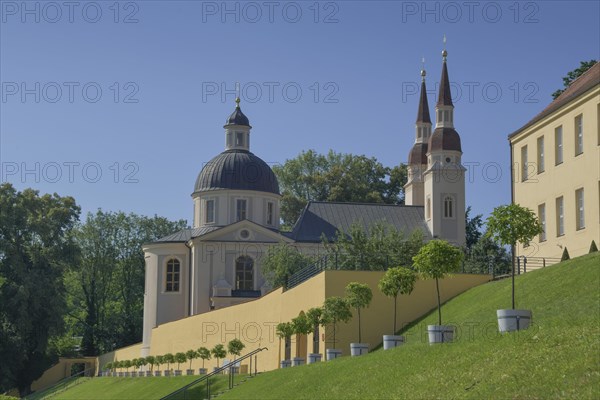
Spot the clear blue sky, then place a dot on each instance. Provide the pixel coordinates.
(158, 120)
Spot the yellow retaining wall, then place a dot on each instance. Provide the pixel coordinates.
(254, 322)
(62, 370)
(124, 353)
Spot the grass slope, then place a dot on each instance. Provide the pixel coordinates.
(558, 357)
(147, 388)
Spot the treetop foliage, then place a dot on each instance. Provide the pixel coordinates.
(336, 177)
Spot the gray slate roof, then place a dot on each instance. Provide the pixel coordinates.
(328, 218)
(186, 234)
(237, 169)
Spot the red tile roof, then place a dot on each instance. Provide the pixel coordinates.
(585, 82)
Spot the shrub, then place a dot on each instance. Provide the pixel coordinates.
(593, 247)
(565, 255)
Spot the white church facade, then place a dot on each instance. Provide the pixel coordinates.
(217, 262)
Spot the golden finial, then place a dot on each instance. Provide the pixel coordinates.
(423, 73)
(444, 52)
(237, 95)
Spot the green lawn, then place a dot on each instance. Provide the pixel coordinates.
(138, 388)
(558, 357)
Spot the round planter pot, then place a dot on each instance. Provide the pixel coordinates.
(115, 374)
(177, 372)
(285, 363)
(202, 371)
(513, 320)
(314, 358)
(167, 373)
(148, 373)
(134, 374)
(391, 341)
(189, 372)
(358, 349)
(297, 361)
(157, 373)
(332, 354)
(440, 333)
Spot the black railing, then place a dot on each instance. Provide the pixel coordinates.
(62, 385)
(245, 293)
(532, 263)
(181, 393)
(311, 270)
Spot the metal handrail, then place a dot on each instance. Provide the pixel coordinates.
(64, 381)
(215, 372)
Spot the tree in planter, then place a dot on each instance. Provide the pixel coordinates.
(204, 354)
(142, 362)
(126, 365)
(335, 309)
(301, 326)
(358, 295)
(152, 361)
(512, 224)
(395, 281)
(160, 360)
(191, 355)
(108, 366)
(180, 358)
(116, 365)
(235, 347)
(169, 358)
(218, 352)
(315, 318)
(437, 259)
(285, 330)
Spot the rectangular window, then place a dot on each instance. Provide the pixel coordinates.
(239, 139)
(579, 212)
(524, 163)
(241, 209)
(172, 276)
(542, 219)
(560, 216)
(269, 213)
(540, 155)
(558, 145)
(579, 134)
(209, 211)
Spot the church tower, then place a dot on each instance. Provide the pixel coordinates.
(417, 158)
(444, 178)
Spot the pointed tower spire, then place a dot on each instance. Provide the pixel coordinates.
(423, 113)
(445, 97)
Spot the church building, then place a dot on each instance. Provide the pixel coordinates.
(217, 262)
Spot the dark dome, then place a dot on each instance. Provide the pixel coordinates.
(418, 154)
(237, 169)
(237, 117)
(444, 139)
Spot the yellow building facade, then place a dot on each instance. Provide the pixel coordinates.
(556, 170)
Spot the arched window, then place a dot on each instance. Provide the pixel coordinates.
(172, 275)
(448, 207)
(244, 273)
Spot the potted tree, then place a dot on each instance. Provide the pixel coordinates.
(395, 281)
(204, 354)
(159, 360)
(179, 358)
(358, 296)
(437, 259)
(509, 225)
(191, 355)
(142, 362)
(335, 309)
(150, 360)
(235, 348)
(315, 318)
(119, 365)
(127, 365)
(169, 358)
(302, 326)
(285, 330)
(218, 352)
